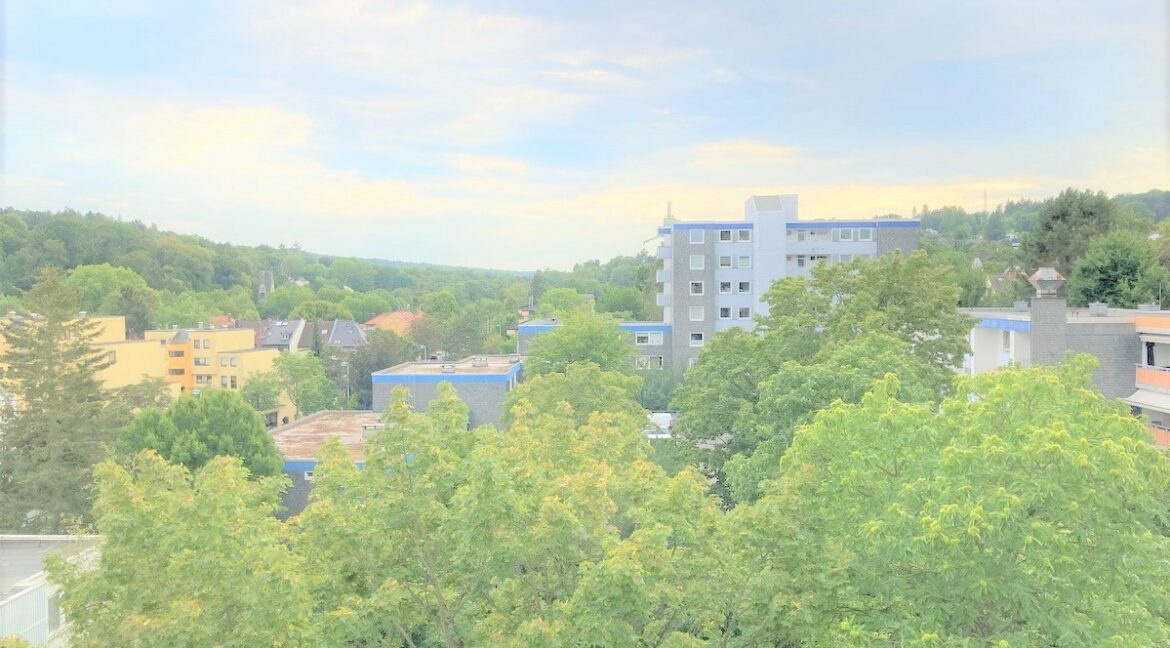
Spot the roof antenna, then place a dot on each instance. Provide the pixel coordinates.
(668, 214)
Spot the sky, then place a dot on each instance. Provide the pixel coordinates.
(525, 135)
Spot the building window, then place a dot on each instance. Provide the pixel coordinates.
(235, 361)
(202, 361)
(697, 262)
(697, 236)
(1007, 341)
(724, 287)
(724, 312)
(745, 287)
(195, 343)
(845, 234)
(745, 235)
(112, 357)
(175, 354)
(176, 372)
(201, 379)
(692, 362)
(648, 338)
(696, 287)
(800, 234)
(800, 260)
(745, 312)
(696, 339)
(696, 313)
(234, 384)
(865, 234)
(818, 258)
(725, 261)
(724, 235)
(223, 381)
(206, 343)
(648, 362)
(844, 258)
(308, 475)
(745, 261)
(223, 361)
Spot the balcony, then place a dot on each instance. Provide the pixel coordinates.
(664, 252)
(1156, 378)
(662, 300)
(662, 276)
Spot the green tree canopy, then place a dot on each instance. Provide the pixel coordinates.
(303, 379)
(1027, 510)
(383, 349)
(581, 337)
(195, 429)
(262, 391)
(584, 388)
(319, 309)
(99, 285)
(58, 422)
(1065, 226)
(1120, 268)
(560, 302)
(186, 561)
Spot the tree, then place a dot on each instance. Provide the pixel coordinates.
(185, 309)
(186, 561)
(1120, 268)
(195, 430)
(319, 309)
(136, 303)
(582, 337)
(96, 284)
(281, 302)
(262, 391)
(560, 302)
(303, 379)
(584, 388)
(999, 518)
(543, 535)
(383, 349)
(1065, 226)
(59, 422)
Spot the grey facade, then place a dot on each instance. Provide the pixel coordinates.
(652, 341)
(483, 382)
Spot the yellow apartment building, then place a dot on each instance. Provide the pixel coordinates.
(199, 359)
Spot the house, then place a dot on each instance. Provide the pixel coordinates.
(397, 322)
(300, 443)
(29, 603)
(651, 340)
(483, 382)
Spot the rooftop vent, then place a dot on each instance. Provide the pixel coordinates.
(1098, 309)
(447, 368)
(1149, 308)
(513, 359)
(1047, 282)
(1020, 306)
(479, 361)
(370, 428)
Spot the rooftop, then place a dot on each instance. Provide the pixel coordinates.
(475, 365)
(1076, 315)
(23, 556)
(304, 438)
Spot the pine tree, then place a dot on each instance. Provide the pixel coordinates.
(55, 423)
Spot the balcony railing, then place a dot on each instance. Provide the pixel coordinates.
(664, 252)
(662, 299)
(1157, 378)
(662, 276)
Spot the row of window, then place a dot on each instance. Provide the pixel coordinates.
(741, 287)
(698, 313)
(648, 362)
(812, 259)
(699, 261)
(206, 344)
(224, 381)
(843, 234)
(725, 236)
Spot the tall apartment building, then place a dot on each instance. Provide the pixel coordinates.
(715, 273)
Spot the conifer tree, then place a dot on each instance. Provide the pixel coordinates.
(55, 423)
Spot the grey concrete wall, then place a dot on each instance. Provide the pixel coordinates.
(682, 276)
(296, 498)
(1116, 347)
(485, 400)
(526, 341)
(1049, 330)
(897, 238)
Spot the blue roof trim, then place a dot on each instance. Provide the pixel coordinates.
(536, 328)
(664, 327)
(408, 379)
(664, 230)
(302, 465)
(1022, 326)
(878, 224)
(713, 226)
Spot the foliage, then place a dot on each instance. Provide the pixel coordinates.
(262, 391)
(583, 388)
(560, 302)
(1120, 268)
(60, 422)
(196, 429)
(186, 561)
(1065, 226)
(303, 379)
(549, 534)
(581, 337)
(1003, 517)
(319, 309)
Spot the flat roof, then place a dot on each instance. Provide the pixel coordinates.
(302, 440)
(1074, 315)
(23, 556)
(477, 365)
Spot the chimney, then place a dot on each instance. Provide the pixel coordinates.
(1048, 338)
